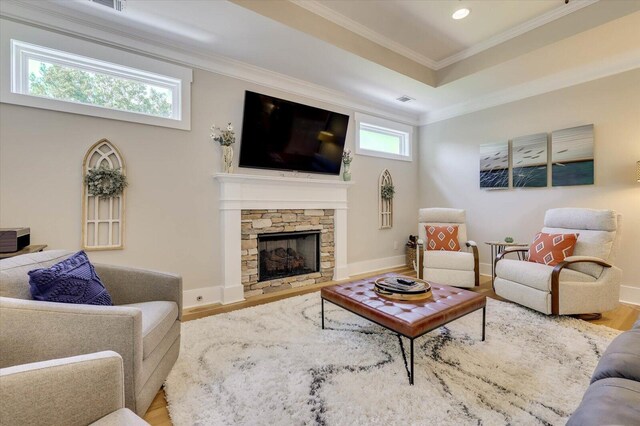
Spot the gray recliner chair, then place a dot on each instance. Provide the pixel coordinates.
(143, 326)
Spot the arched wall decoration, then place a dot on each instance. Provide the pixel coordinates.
(385, 205)
(102, 218)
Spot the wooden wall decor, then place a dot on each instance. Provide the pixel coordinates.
(385, 205)
(102, 218)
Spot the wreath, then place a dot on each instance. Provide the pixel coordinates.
(387, 191)
(105, 182)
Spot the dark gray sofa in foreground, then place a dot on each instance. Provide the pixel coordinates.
(613, 398)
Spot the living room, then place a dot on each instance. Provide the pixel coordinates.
(535, 68)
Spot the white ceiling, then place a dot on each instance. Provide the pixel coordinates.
(209, 32)
(426, 27)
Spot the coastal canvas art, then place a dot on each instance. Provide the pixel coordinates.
(529, 161)
(572, 156)
(494, 165)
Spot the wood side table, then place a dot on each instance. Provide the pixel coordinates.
(498, 247)
(33, 248)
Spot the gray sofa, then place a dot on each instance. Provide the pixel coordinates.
(79, 390)
(613, 398)
(143, 326)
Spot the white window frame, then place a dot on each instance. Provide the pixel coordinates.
(20, 43)
(388, 127)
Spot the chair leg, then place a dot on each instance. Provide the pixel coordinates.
(588, 317)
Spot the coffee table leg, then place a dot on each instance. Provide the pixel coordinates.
(484, 316)
(411, 376)
(322, 313)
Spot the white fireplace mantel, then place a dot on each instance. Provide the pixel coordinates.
(250, 192)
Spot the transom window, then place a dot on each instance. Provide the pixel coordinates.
(43, 69)
(378, 137)
(67, 77)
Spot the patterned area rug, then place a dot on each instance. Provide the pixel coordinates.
(274, 365)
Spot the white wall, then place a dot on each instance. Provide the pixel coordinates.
(172, 207)
(449, 165)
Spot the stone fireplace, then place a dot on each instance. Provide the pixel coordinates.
(257, 209)
(286, 248)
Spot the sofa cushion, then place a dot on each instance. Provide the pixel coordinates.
(457, 260)
(551, 249)
(157, 319)
(73, 280)
(621, 359)
(609, 402)
(443, 238)
(535, 275)
(14, 278)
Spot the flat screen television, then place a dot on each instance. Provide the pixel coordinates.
(285, 135)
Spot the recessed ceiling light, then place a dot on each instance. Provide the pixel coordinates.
(461, 13)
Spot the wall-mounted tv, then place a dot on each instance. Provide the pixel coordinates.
(284, 135)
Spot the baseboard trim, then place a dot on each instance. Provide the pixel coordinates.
(629, 294)
(485, 269)
(373, 265)
(210, 295)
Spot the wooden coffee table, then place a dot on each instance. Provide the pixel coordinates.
(408, 319)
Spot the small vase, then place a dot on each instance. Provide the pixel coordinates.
(346, 173)
(227, 158)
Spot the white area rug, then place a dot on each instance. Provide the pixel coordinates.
(274, 365)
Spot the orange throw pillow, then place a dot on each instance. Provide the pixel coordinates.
(442, 238)
(551, 249)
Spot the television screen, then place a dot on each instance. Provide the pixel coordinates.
(284, 135)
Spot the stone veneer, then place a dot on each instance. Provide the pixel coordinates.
(255, 222)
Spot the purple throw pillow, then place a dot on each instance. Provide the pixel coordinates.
(73, 280)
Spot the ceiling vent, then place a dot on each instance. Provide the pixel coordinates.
(405, 98)
(117, 5)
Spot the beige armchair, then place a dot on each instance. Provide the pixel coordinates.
(143, 326)
(79, 390)
(585, 283)
(455, 268)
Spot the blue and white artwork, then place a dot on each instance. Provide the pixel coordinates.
(572, 156)
(494, 165)
(529, 161)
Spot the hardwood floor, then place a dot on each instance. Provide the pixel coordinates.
(621, 318)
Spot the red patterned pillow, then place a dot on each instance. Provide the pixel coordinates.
(551, 249)
(442, 238)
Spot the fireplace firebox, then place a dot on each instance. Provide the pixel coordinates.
(288, 254)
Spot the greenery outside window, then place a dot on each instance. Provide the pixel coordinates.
(379, 137)
(54, 79)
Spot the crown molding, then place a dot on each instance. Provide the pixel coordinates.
(329, 14)
(514, 32)
(320, 9)
(46, 17)
(610, 66)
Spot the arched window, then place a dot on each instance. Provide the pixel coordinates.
(386, 204)
(102, 218)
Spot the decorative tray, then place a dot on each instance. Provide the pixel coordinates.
(389, 287)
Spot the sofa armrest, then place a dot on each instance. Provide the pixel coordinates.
(555, 277)
(78, 390)
(131, 285)
(476, 260)
(32, 331)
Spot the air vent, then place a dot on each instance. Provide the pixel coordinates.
(405, 98)
(117, 5)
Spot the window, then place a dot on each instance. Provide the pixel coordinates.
(154, 92)
(383, 138)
